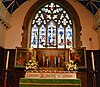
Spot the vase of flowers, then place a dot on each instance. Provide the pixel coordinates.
(71, 66)
(32, 65)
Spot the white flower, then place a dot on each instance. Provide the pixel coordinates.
(27, 67)
(28, 63)
(70, 66)
(30, 60)
(32, 64)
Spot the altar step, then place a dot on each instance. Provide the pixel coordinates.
(27, 82)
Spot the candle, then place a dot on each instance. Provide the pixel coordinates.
(55, 61)
(93, 65)
(69, 56)
(43, 60)
(47, 62)
(58, 57)
(7, 60)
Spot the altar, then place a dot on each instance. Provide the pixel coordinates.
(49, 78)
(50, 68)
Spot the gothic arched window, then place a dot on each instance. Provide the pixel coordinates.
(51, 27)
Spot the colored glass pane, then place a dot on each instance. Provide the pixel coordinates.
(42, 37)
(68, 37)
(34, 36)
(61, 37)
(51, 34)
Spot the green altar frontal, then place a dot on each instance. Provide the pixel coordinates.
(29, 82)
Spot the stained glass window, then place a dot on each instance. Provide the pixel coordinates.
(52, 27)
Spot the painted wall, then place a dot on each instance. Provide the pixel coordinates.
(13, 36)
(2, 35)
(87, 20)
(99, 36)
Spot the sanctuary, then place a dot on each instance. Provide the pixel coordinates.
(55, 66)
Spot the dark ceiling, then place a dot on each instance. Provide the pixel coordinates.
(91, 5)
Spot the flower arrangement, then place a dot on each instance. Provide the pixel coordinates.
(71, 66)
(32, 65)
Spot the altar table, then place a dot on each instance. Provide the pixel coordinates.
(30, 82)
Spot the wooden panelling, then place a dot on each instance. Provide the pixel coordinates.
(1, 57)
(1, 65)
(97, 67)
(83, 77)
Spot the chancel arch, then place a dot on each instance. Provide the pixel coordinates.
(44, 15)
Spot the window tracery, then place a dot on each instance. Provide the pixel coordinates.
(52, 28)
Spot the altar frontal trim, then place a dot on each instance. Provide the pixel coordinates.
(51, 75)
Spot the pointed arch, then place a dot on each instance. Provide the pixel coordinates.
(73, 14)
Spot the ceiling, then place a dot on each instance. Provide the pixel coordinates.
(91, 5)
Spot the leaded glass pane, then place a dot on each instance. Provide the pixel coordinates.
(34, 36)
(39, 21)
(61, 37)
(51, 34)
(52, 8)
(48, 16)
(33, 21)
(67, 16)
(41, 15)
(54, 17)
(64, 21)
(37, 15)
(42, 37)
(68, 37)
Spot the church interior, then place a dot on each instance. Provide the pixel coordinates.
(49, 43)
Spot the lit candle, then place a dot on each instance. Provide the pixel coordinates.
(93, 65)
(7, 60)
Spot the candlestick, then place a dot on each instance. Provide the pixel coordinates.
(93, 65)
(7, 60)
